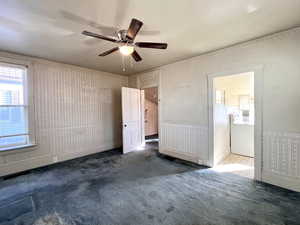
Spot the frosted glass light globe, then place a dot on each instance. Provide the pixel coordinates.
(126, 50)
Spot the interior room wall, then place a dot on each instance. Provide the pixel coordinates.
(77, 112)
(151, 111)
(184, 103)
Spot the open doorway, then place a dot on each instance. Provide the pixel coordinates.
(151, 115)
(233, 121)
(140, 119)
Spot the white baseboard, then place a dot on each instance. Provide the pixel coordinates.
(74, 155)
(291, 183)
(24, 165)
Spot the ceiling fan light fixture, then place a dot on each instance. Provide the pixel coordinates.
(126, 49)
(125, 41)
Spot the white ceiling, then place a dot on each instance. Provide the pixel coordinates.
(52, 29)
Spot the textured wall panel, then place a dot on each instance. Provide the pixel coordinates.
(282, 153)
(149, 79)
(185, 140)
(184, 94)
(77, 112)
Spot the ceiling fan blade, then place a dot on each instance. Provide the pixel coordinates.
(136, 56)
(86, 22)
(151, 45)
(133, 29)
(109, 51)
(90, 34)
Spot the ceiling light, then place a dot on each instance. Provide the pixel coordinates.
(126, 49)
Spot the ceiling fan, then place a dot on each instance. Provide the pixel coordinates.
(126, 42)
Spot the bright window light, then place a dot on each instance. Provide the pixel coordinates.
(13, 107)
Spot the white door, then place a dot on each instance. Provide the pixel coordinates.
(131, 115)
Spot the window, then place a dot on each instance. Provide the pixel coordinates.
(13, 106)
(220, 97)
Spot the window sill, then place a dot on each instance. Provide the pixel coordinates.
(14, 148)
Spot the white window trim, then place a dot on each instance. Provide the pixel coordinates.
(29, 100)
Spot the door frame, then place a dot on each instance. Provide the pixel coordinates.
(258, 106)
(143, 112)
(151, 84)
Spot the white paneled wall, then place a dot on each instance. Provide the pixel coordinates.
(144, 80)
(184, 140)
(77, 112)
(150, 79)
(282, 153)
(184, 94)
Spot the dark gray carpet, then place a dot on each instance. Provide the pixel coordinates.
(141, 188)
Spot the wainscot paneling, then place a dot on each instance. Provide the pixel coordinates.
(188, 142)
(77, 112)
(281, 164)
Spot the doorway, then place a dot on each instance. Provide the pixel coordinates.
(150, 109)
(140, 123)
(233, 122)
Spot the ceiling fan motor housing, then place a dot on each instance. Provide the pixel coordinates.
(122, 36)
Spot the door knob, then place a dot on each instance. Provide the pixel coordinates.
(125, 125)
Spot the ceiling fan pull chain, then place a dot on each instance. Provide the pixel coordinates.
(123, 62)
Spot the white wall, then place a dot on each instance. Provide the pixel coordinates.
(77, 112)
(184, 103)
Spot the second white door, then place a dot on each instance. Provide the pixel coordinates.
(131, 114)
